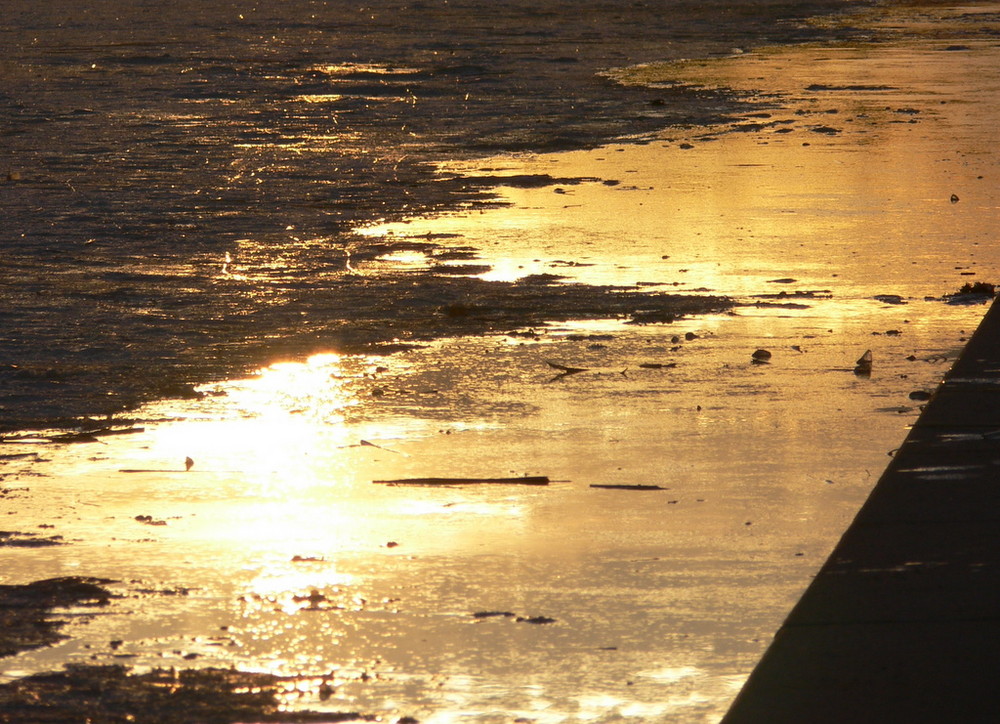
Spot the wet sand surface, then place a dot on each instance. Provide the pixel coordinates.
(838, 222)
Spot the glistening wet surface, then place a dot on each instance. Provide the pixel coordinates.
(276, 551)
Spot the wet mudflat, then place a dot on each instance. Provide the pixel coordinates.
(732, 472)
(148, 151)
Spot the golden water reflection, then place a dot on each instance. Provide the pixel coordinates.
(661, 601)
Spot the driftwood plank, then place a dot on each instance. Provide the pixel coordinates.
(527, 480)
(630, 487)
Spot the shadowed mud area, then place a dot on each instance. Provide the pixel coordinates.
(181, 183)
(110, 694)
(26, 620)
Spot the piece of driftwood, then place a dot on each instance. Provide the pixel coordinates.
(610, 486)
(526, 480)
(564, 369)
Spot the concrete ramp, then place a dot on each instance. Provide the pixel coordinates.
(902, 623)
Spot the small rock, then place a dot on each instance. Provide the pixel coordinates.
(889, 298)
(864, 364)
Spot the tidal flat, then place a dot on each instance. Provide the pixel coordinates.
(842, 214)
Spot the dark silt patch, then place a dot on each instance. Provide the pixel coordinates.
(14, 539)
(26, 612)
(113, 694)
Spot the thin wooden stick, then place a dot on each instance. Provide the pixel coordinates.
(629, 487)
(527, 480)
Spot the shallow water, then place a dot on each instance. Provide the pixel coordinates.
(662, 600)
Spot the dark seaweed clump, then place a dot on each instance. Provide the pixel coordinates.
(983, 288)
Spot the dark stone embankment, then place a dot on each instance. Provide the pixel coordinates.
(901, 623)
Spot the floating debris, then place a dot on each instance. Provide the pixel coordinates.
(761, 356)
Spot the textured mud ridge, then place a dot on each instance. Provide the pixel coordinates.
(164, 352)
